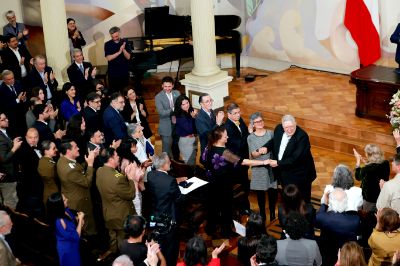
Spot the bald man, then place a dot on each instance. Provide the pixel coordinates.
(30, 188)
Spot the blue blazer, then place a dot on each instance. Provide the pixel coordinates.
(204, 125)
(114, 125)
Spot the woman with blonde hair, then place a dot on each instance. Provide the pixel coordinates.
(375, 168)
(351, 254)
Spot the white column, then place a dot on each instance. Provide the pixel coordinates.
(56, 37)
(203, 33)
(206, 76)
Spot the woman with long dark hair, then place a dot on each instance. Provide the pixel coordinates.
(185, 128)
(292, 201)
(68, 229)
(247, 245)
(70, 105)
(196, 253)
(135, 110)
(220, 164)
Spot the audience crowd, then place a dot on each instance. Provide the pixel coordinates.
(81, 160)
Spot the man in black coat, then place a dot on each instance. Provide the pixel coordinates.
(90, 113)
(81, 74)
(30, 185)
(165, 196)
(293, 162)
(42, 76)
(12, 102)
(15, 58)
(237, 143)
(8, 181)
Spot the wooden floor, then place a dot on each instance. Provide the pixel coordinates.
(323, 104)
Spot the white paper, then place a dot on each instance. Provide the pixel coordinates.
(197, 182)
(240, 229)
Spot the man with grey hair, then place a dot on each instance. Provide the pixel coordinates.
(118, 53)
(337, 226)
(389, 197)
(81, 73)
(293, 162)
(165, 196)
(6, 254)
(12, 102)
(15, 28)
(206, 120)
(113, 122)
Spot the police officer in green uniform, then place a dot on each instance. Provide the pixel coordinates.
(117, 192)
(76, 181)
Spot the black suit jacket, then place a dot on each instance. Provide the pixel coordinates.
(165, 194)
(35, 80)
(7, 163)
(395, 38)
(10, 61)
(204, 125)
(77, 78)
(8, 98)
(14, 111)
(31, 182)
(44, 130)
(297, 163)
(92, 119)
(237, 139)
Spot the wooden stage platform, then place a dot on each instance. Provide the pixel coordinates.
(323, 104)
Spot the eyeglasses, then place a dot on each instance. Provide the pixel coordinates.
(209, 101)
(258, 121)
(98, 101)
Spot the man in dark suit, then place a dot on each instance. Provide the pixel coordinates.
(91, 112)
(293, 162)
(42, 76)
(237, 143)
(337, 226)
(30, 187)
(8, 182)
(395, 38)
(15, 58)
(42, 114)
(114, 124)
(206, 120)
(12, 102)
(81, 73)
(165, 195)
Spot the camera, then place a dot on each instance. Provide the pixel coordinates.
(161, 225)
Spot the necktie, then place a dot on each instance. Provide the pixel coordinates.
(81, 68)
(13, 90)
(171, 101)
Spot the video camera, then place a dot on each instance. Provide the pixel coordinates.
(161, 225)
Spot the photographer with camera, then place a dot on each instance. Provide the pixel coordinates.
(165, 195)
(134, 246)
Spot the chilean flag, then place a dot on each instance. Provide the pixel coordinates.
(362, 20)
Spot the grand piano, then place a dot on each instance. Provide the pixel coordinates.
(167, 39)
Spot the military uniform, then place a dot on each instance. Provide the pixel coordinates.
(117, 193)
(47, 170)
(75, 185)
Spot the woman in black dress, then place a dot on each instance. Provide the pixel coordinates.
(135, 111)
(220, 164)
